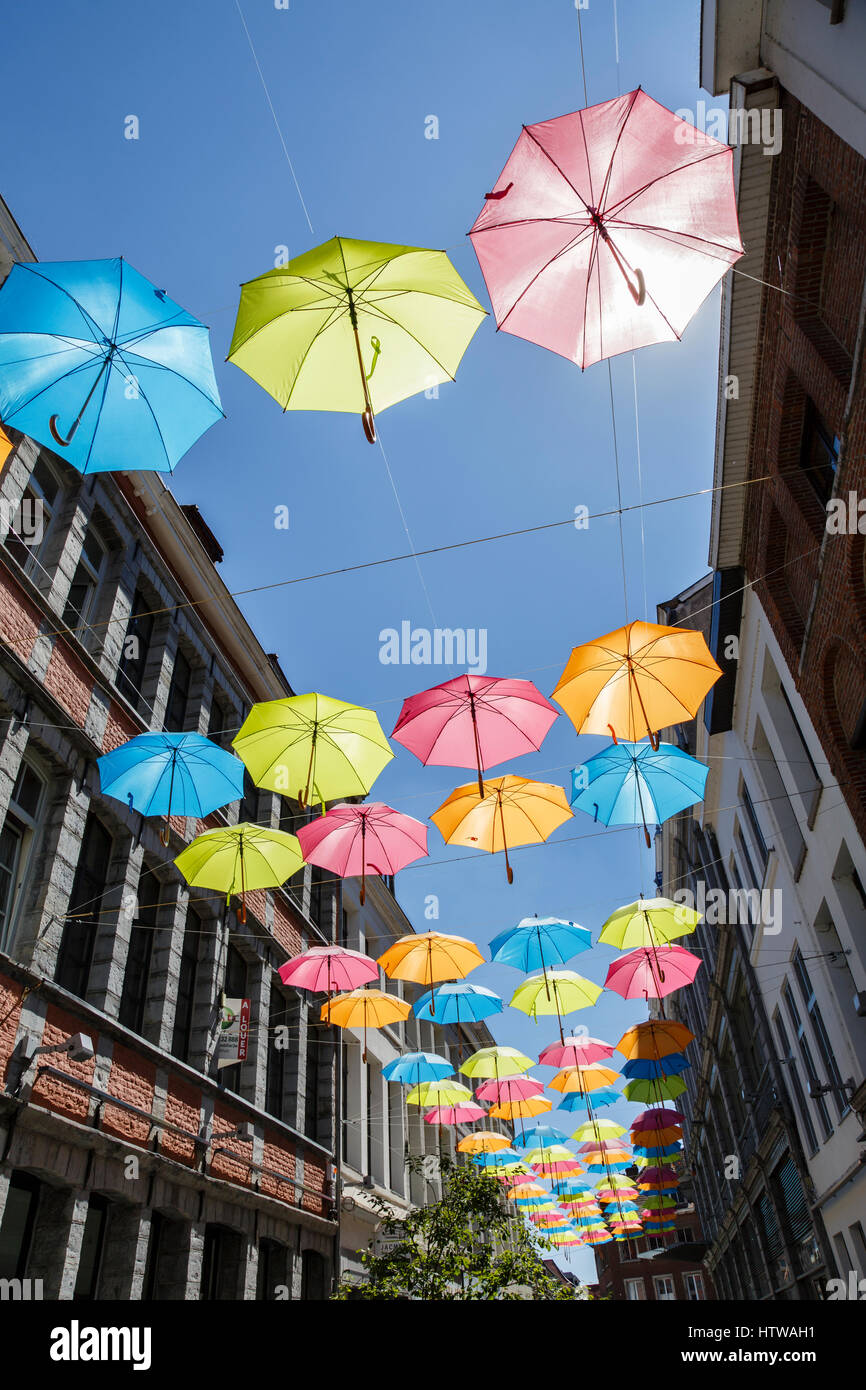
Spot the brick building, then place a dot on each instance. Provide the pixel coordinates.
(661, 1268)
(130, 1166)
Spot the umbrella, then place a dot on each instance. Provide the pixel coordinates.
(607, 230)
(484, 1141)
(501, 1158)
(652, 974)
(665, 1088)
(541, 1135)
(666, 1176)
(439, 1093)
(364, 1008)
(513, 811)
(455, 1114)
(520, 1109)
(353, 840)
(648, 922)
(555, 992)
(171, 774)
(599, 1129)
(312, 744)
(510, 1088)
(102, 367)
(576, 1051)
(537, 942)
(641, 678)
(240, 858)
(457, 1003)
(6, 447)
(657, 1119)
(583, 1078)
(633, 783)
(430, 956)
(659, 1037)
(354, 326)
(474, 721)
(576, 1100)
(326, 968)
(648, 1141)
(413, 1068)
(497, 1061)
(647, 1069)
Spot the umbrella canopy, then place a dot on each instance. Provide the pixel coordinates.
(500, 1159)
(312, 746)
(447, 1115)
(510, 1088)
(239, 858)
(659, 1037)
(583, 1078)
(652, 974)
(652, 1141)
(576, 1100)
(484, 1141)
(326, 968)
(353, 840)
(457, 1003)
(171, 774)
(541, 1135)
(666, 1176)
(364, 1008)
(636, 784)
(607, 230)
(430, 956)
(657, 1119)
(520, 1109)
(497, 1062)
(641, 678)
(650, 922)
(513, 811)
(474, 721)
(665, 1088)
(102, 367)
(647, 1069)
(575, 1052)
(414, 1068)
(599, 1129)
(439, 1093)
(354, 326)
(555, 992)
(537, 942)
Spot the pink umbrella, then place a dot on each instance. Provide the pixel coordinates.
(510, 1089)
(454, 1114)
(661, 1177)
(607, 229)
(370, 838)
(474, 721)
(575, 1052)
(327, 968)
(652, 974)
(657, 1119)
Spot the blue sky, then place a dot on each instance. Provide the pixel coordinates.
(200, 202)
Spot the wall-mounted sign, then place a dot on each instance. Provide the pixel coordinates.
(234, 1032)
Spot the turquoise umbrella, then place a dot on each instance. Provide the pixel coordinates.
(636, 784)
(171, 775)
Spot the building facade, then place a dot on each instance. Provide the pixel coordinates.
(647, 1269)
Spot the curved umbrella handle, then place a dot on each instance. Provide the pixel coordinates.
(639, 294)
(369, 426)
(55, 432)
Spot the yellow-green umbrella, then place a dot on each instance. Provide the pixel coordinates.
(647, 923)
(354, 326)
(496, 1062)
(312, 743)
(555, 992)
(439, 1093)
(239, 858)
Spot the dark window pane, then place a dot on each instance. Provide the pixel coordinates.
(136, 646)
(137, 973)
(182, 1036)
(92, 1247)
(16, 1231)
(85, 907)
(178, 694)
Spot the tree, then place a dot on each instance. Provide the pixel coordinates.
(466, 1245)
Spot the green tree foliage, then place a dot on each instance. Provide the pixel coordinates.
(470, 1244)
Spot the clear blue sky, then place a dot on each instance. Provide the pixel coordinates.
(200, 202)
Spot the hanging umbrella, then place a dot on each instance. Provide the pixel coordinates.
(326, 968)
(555, 992)
(657, 1119)
(430, 956)
(364, 1008)
(538, 942)
(502, 1158)
(353, 841)
(171, 774)
(484, 1141)
(576, 1100)
(607, 230)
(457, 1003)
(439, 1093)
(520, 1109)
(354, 326)
(648, 1070)
(652, 974)
(474, 721)
(577, 1051)
(240, 858)
(599, 1129)
(414, 1068)
(497, 1062)
(647, 1140)
(312, 745)
(513, 811)
(102, 367)
(510, 1088)
(635, 784)
(641, 678)
(649, 922)
(583, 1078)
(665, 1088)
(6, 447)
(447, 1115)
(659, 1037)
(541, 1135)
(666, 1176)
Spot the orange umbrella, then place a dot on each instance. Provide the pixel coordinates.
(634, 681)
(583, 1079)
(513, 811)
(519, 1109)
(483, 1141)
(429, 956)
(657, 1038)
(5, 446)
(364, 1008)
(656, 1138)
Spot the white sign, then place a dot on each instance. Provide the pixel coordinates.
(234, 1032)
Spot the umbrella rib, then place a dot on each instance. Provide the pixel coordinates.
(606, 184)
(96, 329)
(387, 318)
(161, 367)
(143, 395)
(672, 234)
(668, 173)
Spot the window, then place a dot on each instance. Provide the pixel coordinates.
(85, 581)
(777, 794)
(800, 764)
(136, 975)
(808, 1059)
(178, 694)
(218, 721)
(843, 1259)
(694, 1287)
(38, 502)
(320, 896)
(858, 1243)
(664, 1288)
(311, 1100)
(85, 908)
(760, 843)
(313, 1275)
(273, 1269)
(635, 1291)
(819, 454)
(820, 1033)
(221, 1262)
(795, 1085)
(235, 986)
(16, 843)
(16, 1232)
(136, 646)
(181, 1042)
(92, 1249)
(284, 1013)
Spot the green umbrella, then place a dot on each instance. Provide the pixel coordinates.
(658, 1089)
(239, 858)
(354, 326)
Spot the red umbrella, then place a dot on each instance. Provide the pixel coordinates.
(575, 1052)
(607, 229)
(652, 974)
(327, 968)
(657, 1118)
(356, 840)
(474, 721)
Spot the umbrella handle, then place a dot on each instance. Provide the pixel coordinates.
(369, 424)
(639, 294)
(612, 733)
(165, 834)
(55, 432)
(646, 836)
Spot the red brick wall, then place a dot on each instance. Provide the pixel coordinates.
(282, 1160)
(50, 1091)
(223, 1165)
(131, 1079)
(182, 1108)
(314, 1177)
(286, 929)
(19, 618)
(69, 681)
(119, 728)
(11, 993)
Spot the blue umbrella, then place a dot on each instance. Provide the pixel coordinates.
(413, 1068)
(634, 783)
(540, 1135)
(495, 1160)
(641, 1151)
(576, 1100)
(650, 1069)
(171, 775)
(537, 942)
(457, 1003)
(102, 367)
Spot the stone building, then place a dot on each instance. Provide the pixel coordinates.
(663, 1268)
